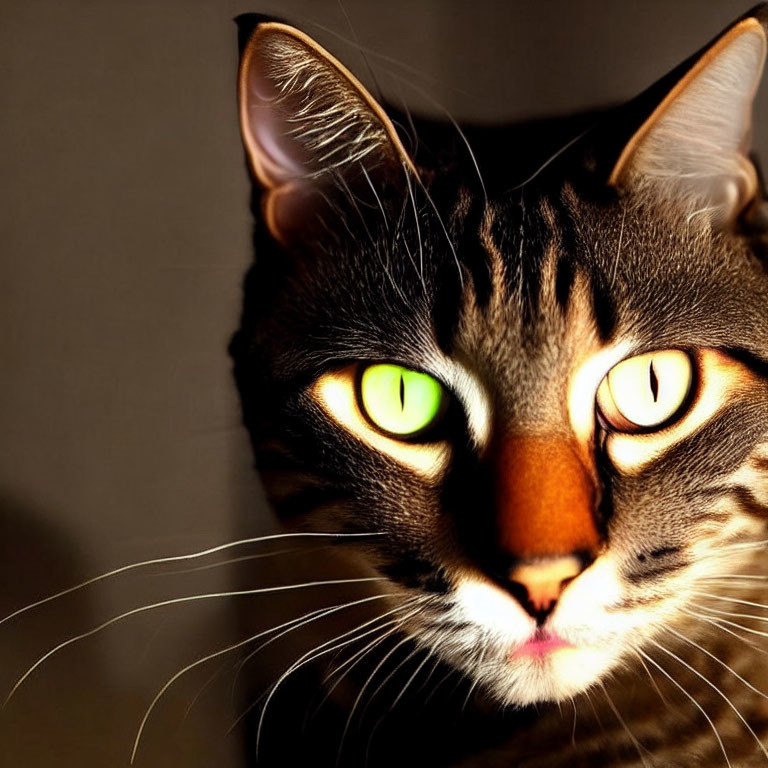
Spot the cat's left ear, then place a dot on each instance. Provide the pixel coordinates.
(319, 145)
(692, 149)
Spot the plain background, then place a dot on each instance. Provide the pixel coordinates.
(124, 236)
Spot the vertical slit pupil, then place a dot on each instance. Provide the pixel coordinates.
(654, 383)
(402, 392)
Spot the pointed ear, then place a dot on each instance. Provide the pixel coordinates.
(313, 134)
(692, 151)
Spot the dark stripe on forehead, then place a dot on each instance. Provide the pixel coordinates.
(466, 227)
(565, 274)
(534, 234)
(603, 308)
(471, 238)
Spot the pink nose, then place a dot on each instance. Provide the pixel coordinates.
(543, 582)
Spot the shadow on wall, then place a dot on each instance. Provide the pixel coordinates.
(78, 707)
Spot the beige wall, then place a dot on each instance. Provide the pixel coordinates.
(124, 234)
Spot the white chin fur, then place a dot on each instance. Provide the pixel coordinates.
(500, 625)
(561, 675)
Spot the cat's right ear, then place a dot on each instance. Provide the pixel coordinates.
(317, 142)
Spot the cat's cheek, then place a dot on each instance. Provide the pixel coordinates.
(485, 605)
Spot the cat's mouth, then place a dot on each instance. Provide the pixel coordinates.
(540, 645)
(520, 662)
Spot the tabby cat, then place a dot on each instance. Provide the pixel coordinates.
(526, 388)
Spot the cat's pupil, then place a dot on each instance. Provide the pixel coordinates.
(654, 383)
(402, 392)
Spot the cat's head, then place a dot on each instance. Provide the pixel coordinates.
(548, 398)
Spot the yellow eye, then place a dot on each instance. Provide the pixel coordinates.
(400, 401)
(645, 391)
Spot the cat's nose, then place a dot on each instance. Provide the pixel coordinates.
(538, 584)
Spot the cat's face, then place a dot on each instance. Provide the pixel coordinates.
(548, 403)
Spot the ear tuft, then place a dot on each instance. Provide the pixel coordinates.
(693, 149)
(309, 125)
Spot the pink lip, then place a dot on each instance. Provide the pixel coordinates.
(540, 645)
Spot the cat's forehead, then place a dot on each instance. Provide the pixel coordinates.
(554, 278)
(560, 260)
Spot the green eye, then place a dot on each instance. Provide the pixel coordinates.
(400, 401)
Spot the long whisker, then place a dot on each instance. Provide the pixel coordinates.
(175, 601)
(247, 658)
(440, 221)
(372, 733)
(313, 655)
(203, 688)
(408, 682)
(733, 614)
(654, 683)
(718, 624)
(717, 691)
(323, 649)
(287, 626)
(480, 659)
(719, 661)
(418, 231)
(350, 663)
(389, 676)
(429, 675)
(243, 559)
(361, 693)
(426, 95)
(553, 157)
(712, 612)
(726, 599)
(736, 576)
(345, 667)
(638, 746)
(177, 559)
(444, 679)
(691, 698)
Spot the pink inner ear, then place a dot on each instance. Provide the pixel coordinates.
(273, 151)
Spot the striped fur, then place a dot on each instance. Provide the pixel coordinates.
(520, 298)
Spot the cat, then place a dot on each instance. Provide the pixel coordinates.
(519, 378)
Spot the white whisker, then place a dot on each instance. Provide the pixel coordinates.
(735, 576)
(637, 745)
(176, 559)
(288, 626)
(408, 682)
(719, 661)
(361, 693)
(176, 601)
(321, 650)
(389, 676)
(718, 624)
(243, 559)
(351, 662)
(717, 690)
(733, 614)
(692, 699)
(726, 599)
(654, 683)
